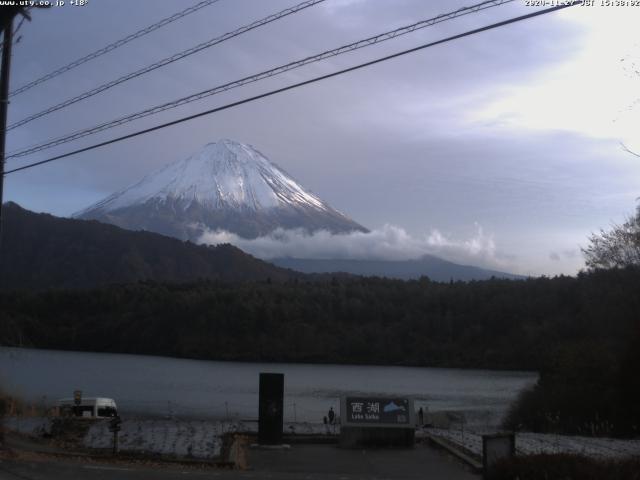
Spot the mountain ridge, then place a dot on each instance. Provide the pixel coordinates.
(40, 251)
(435, 268)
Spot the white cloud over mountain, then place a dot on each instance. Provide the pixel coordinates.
(387, 243)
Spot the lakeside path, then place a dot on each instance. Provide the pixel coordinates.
(202, 439)
(309, 462)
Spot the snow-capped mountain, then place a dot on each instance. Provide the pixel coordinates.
(226, 186)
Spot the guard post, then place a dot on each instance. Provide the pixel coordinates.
(377, 422)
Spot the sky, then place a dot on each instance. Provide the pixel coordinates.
(504, 149)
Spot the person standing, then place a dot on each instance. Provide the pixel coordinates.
(421, 417)
(331, 415)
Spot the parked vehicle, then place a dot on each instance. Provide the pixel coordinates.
(90, 407)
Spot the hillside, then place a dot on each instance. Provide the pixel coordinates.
(43, 251)
(435, 268)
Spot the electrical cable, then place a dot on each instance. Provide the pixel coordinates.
(257, 77)
(167, 61)
(113, 46)
(299, 84)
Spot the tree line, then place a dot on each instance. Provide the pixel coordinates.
(581, 333)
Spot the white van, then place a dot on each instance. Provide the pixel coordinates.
(90, 407)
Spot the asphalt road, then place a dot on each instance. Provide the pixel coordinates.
(307, 462)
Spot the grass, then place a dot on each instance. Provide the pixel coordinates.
(13, 405)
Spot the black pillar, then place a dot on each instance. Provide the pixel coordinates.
(270, 411)
(7, 26)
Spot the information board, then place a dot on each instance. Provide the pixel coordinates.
(376, 410)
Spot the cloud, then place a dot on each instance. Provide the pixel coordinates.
(335, 6)
(387, 243)
(569, 254)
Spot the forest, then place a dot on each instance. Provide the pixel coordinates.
(581, 333)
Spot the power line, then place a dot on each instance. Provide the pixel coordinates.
(254, 78)
(259, 76)
(299, 84)
(167, 61)
(24, 16)
(15, 32)
(114, 45)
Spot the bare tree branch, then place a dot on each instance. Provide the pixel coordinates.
(617, 248)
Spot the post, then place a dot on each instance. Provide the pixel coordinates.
(114, 426)
(115, 442)
(496, 447)
(4, 102)
(77, 401)
(270, 410)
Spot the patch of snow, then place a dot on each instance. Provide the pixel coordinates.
(191, 438)
(225, 174)
(528, 443)
(183, 438)
(198, 439)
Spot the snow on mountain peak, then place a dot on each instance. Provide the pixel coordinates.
(224, 174)
(227, 186)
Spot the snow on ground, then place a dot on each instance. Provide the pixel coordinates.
(181, 438)
(200, 439)
(203, 438)
(190, 438)
(532, 443)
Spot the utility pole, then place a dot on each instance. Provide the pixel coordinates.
(4, 97)
(7, 13)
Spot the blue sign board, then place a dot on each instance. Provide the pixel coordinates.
(378, 410)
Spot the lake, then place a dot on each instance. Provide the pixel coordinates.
(160, 386)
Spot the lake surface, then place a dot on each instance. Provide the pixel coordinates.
(160, 386)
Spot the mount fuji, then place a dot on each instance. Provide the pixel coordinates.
(225, 186)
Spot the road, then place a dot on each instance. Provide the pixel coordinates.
(307, 462)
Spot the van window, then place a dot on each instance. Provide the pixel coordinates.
(85, 411)
(73, 411)
(107, 412)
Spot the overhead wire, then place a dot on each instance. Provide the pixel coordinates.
(259, 76)
(166, 61)
(299, 84)
(17, 29)
(15, 32)
(113, 46)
